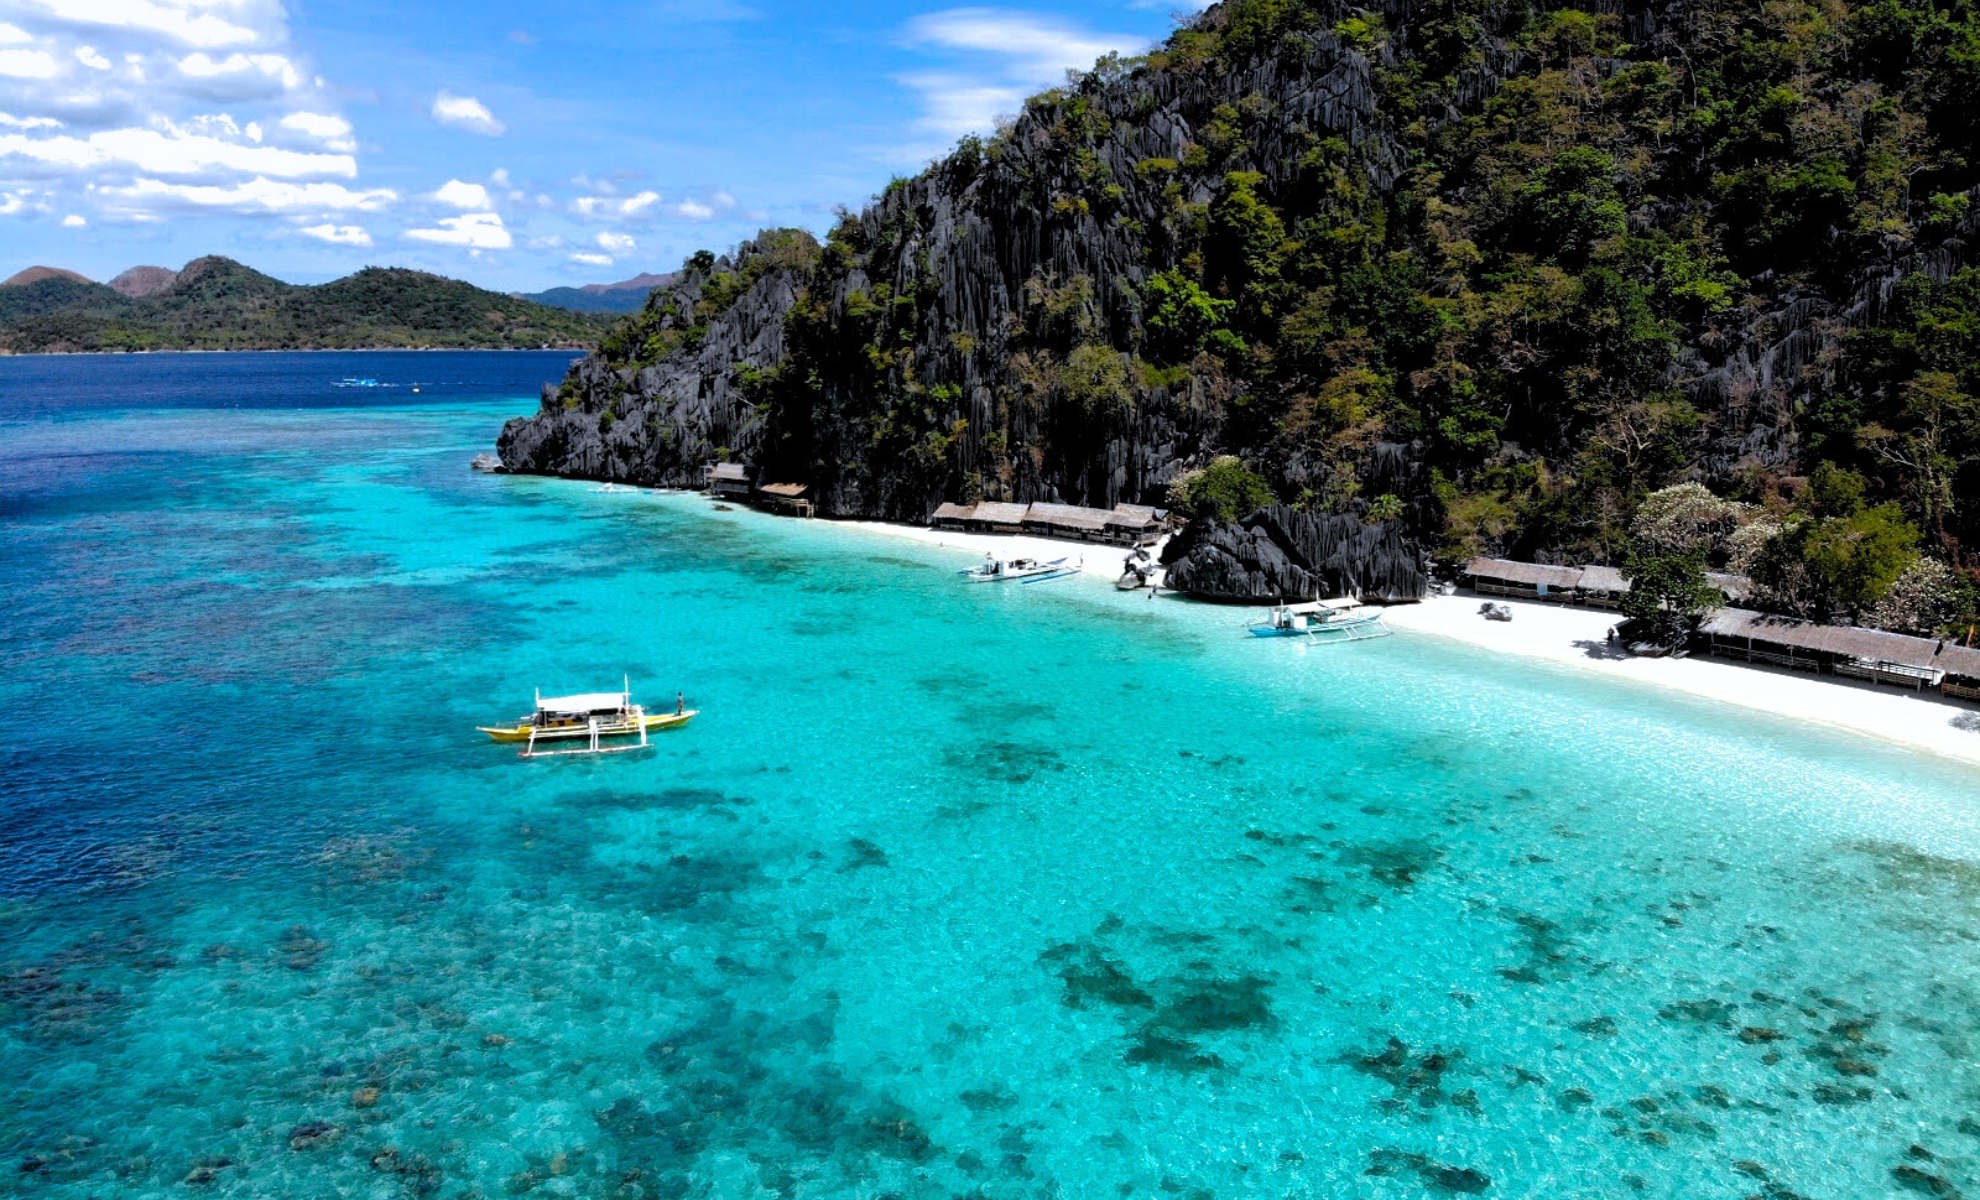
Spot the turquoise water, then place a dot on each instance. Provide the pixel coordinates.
(951, 891)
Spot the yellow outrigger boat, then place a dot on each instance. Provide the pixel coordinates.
(591, 716)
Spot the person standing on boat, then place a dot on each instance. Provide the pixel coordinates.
(680, 703)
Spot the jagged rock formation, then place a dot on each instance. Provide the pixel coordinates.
(1501, 270)
(689, 407)
(1280, 553)
(1008, 274)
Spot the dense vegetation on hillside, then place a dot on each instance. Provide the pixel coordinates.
(218, 304)
(1498, 271)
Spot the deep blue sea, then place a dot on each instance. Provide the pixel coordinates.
(1000, 892)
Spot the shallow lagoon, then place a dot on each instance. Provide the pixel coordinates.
(1003, 891)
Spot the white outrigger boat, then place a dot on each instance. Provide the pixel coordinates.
(1341, 620)
(1026, 570)
(592, 716)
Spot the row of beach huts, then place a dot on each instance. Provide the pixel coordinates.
(1122, 525)
(1873, 655)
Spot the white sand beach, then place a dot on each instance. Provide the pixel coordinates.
(1576, 637)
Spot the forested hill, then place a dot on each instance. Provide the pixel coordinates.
(218, 304)
(1497, 272)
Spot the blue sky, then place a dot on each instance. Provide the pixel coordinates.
(517, 145)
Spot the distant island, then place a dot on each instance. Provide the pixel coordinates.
(625, 296)
(219, 304)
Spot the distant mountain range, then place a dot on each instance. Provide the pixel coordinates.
(218, 304)
(625, 296)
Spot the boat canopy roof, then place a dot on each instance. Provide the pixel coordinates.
(1342, 604)
(586, 703)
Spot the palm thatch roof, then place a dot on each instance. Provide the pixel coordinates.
(1845, 641)
(1504, 570)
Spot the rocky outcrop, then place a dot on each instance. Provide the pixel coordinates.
(659, 425)
(1280, 554)
(985, 330)
(988, 273)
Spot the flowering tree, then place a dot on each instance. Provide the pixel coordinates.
(1686, 519)
(1925, 599)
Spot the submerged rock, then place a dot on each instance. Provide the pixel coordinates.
(1912, 1178)
(310, 1134)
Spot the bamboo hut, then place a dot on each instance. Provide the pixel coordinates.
(1524, 581)
(1601, 587)
(791, 498)
(1125, 525)
(1874, 655)
(728, 479)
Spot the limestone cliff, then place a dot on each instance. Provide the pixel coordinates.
(1491, 271)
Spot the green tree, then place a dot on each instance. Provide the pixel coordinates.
(1667, 592)
(1859, 557)
(1180, 317)
(1223, 491)
(1571, 204)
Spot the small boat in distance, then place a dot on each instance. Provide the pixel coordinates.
(591, 716)
(352, 381)
(1025, 570)
(1322, 620)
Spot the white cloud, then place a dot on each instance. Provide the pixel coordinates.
(140, 16)
(499, 177)
(333, 131)
(241, 75)
(467, 113)
(28, 64)
(617, 243)
(72, 221)
(1005, 57)
(462, 195)
(593, 260)
(710, 206)
(1037, 47)
(338, 235)
(256, 195)
(634, 205)
(172, 151)
(120, 104)
(475, 230)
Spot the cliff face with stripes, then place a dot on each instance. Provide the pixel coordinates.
(974, 333)
(1546, 261)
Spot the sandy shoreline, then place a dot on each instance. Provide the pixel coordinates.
(1576, 637)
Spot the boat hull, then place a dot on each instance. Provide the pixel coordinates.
(654, 723)
(1332, 631)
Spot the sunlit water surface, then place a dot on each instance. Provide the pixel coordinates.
(1000, 891)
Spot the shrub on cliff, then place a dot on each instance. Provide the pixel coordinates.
(1223, 491)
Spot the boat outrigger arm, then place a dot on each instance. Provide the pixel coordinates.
(592, 717)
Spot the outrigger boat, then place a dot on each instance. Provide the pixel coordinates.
(1026, 570)
(1323, 620)
(593, 717)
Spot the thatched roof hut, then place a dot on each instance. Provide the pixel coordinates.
(1527, 581)
(1871, 654)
